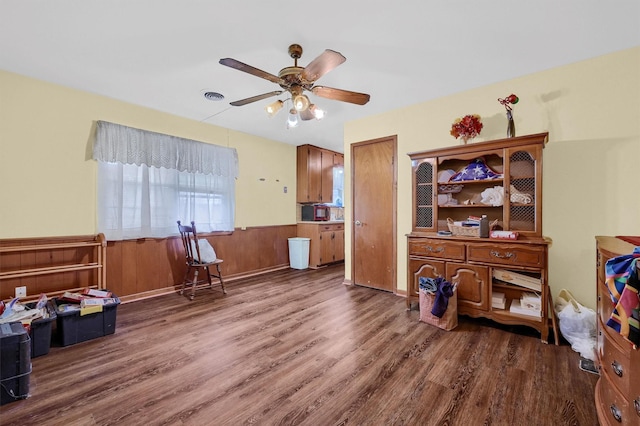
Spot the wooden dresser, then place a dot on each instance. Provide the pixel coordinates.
(617, 393)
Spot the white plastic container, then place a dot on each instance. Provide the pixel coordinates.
(299, 252)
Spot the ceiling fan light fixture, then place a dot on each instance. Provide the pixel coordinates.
(273, 108)
(292, 119)
(301, 102)
(317, 112)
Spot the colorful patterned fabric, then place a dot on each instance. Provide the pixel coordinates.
(476, 170)
(623, 284)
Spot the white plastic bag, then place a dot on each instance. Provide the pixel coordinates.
(577, 324)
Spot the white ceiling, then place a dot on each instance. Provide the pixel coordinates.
(163, 54)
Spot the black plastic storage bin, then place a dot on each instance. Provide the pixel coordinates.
(41, 331)
(72, 328)
(15, 362)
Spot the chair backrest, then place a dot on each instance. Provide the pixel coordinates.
(189, 241)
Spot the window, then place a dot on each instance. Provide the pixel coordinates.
(145, 200)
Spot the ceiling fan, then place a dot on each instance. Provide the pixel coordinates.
(296, 80)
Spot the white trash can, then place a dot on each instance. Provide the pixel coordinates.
(299, 252)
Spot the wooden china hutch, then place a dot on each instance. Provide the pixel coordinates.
(470, 262)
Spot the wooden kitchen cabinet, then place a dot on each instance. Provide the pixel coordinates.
(315, 174)
(468, 261)
(327, 242)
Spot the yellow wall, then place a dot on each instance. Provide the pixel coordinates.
(591, 110)
(48, 179)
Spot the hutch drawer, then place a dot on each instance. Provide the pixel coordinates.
(428, 247)
(526, 256)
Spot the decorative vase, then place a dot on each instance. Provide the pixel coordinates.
(511, 126)
(466, 139)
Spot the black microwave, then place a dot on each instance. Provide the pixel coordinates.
(317, 212)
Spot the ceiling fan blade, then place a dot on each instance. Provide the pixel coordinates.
(306, 115)
(325, 62)
(232, 63)
(341, 95)
(255, 98)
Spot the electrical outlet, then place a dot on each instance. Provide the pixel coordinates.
(21, 291)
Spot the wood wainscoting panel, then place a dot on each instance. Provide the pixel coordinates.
(144, 267)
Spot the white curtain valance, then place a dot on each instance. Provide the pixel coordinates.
(127, 145)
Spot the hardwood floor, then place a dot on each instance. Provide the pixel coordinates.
(299, 347)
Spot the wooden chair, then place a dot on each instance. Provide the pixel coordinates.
(193, 255)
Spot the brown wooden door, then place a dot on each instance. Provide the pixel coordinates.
(373, 172)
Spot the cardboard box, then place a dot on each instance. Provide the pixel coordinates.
(518, 279)
(73, 327)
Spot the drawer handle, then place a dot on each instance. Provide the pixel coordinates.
(437, 250)
(636, 404)
(617, 368)
(615, 412)
(507, 255)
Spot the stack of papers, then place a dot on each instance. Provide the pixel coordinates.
(498, 300)
(516, 308)
(531, 301)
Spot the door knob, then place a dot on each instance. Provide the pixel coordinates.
(358, 223)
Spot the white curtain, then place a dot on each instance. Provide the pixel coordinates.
(147, 181)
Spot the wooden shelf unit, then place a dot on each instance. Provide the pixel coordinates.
(52, 265)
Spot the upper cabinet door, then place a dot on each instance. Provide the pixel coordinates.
(326, 193)
(315, 174)
(523, 189)
(309, 174)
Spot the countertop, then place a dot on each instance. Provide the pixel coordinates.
(321, 222)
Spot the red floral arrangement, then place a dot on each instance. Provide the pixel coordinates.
(467, 127)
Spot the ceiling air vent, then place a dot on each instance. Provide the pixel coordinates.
(213, 96)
